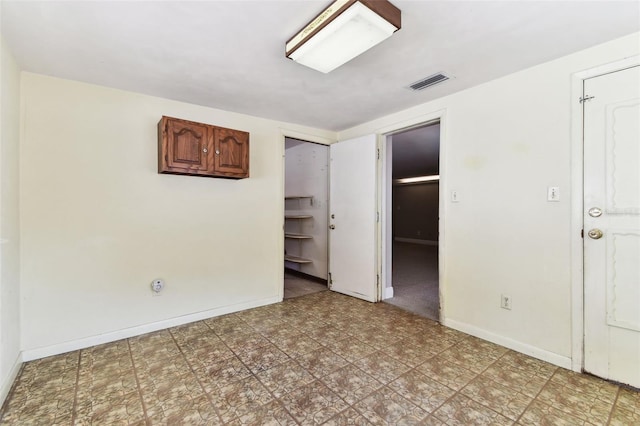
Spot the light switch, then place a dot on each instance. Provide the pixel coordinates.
(553, 193)
(455, 197)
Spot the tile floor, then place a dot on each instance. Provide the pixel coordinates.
(296, 286)
(317, 359)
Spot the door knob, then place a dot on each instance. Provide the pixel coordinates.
(595, 212)
(595, 234)
(332, 227)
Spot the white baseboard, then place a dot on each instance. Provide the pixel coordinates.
(7, 381)
(416, 241)
(388, 293)
(73, 345)
(553, 358)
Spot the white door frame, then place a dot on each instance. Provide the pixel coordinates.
(294, 134)
(382, 133)
(577, 195)
(384, 258)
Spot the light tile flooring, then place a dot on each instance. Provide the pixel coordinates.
(296, 286)
(317, 359)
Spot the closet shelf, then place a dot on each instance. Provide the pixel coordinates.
(295, 236)
(298, 224)
(298, 216)
(296, 259)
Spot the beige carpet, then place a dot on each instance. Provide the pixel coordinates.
(415, 279)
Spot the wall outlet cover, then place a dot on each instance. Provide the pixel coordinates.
(157, 285)
(505, 301)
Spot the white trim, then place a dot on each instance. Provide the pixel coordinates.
(417, 121)
(381, 203)
(9, 379)
(577, 308)
(553, 358)
(307, 137)
(416, 241)
(385, 186)
(443, 208)
(73, 345)
(283, 189)
(577, 195)
(294, 134)
(388, 293)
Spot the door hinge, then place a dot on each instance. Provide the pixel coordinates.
(330, 282)
(377, 216)
(586, 98)
(582, 233)
(378, 153)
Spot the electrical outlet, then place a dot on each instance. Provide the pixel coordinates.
(505, 301)
(157, 285)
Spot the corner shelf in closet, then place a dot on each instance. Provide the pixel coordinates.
(297, 197)
(296, 259)
(297, 216)
(296, 235)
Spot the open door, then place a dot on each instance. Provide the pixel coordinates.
(353, 218)
(612, 226)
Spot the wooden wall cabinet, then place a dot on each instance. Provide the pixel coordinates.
(190, 148)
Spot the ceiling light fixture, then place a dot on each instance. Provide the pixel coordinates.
(343, 31)
(418, 179)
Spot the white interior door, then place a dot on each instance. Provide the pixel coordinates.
(352, 217)
(612, 226)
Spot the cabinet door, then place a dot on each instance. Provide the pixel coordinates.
(231, 157)
(185, 147)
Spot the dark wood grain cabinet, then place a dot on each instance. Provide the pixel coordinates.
(190, 148)
(231, 152)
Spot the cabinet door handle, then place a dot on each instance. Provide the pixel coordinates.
(205, 150)
(217, 152)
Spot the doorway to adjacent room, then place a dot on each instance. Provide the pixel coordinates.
(412, 162)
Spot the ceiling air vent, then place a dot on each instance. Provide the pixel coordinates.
(428, 81)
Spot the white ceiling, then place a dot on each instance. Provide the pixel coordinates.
(230, 54)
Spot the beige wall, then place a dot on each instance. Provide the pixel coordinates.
(9, 221)
(98, 223)
(415, 211)
(504, 143)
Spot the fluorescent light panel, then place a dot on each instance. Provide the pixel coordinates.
(418, 179)
(342, 34)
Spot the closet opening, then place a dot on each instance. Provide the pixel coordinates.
(412, 220)
(306, 203)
